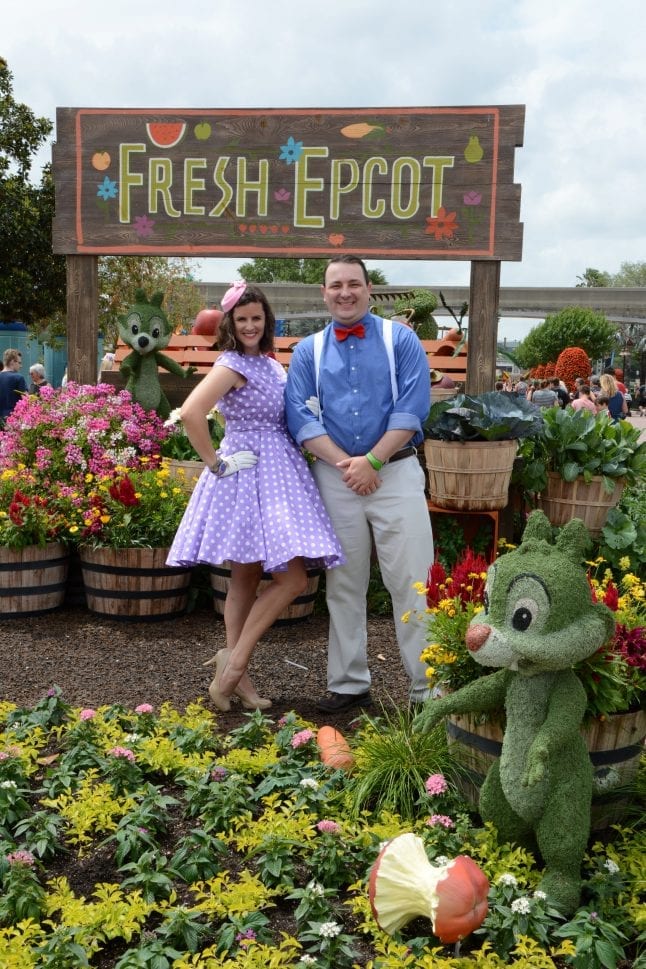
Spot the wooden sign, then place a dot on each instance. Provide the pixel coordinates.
(387, 183)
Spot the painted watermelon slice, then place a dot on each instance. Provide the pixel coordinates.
(166, 134)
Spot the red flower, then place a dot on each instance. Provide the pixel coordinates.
(443, 226)
(123, 491)
(436, 578)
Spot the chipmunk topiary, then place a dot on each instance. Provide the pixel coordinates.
(147, 329)
(539, 620)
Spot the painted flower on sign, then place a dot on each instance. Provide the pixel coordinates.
(443, 226)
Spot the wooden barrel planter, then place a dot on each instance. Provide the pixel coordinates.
(564, 500)
(185, 473)
(615, 745)
(32, 579)
(301, 608)
(134, 583)
(469, 475)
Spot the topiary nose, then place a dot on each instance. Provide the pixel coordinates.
(476, 637)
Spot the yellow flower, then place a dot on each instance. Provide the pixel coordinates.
(430, 672)
(105, 519)
(624, 563)
(73, 529)
(406, 616)
(420, 588)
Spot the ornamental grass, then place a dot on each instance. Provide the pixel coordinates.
(149, 837)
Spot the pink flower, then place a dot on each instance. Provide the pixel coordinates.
(440, 819)
(436, 784)
(328, 827)
(87, 714)
(20, 858)
(123, 752)
(302, 737)
(144, 708)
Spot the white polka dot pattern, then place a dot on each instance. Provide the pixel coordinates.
(270, 513)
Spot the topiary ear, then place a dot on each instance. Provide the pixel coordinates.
(140, 296)
(157, 299)
(573, 540)
(537, 527)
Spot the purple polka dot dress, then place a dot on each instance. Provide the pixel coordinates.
(270, 513)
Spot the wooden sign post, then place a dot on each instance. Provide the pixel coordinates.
(382, 183)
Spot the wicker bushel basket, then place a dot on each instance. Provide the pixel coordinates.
(564, 500)
(301, 608)
(185, 473)
(471, 475)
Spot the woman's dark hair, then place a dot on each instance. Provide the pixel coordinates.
(226, 333)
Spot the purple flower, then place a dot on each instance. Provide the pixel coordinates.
(472, 198)
(219, 773)
(282, 195)
(436, 784)
(144, 226)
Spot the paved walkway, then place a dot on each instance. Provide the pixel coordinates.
(641, 423)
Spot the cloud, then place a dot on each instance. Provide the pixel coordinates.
(579, 69)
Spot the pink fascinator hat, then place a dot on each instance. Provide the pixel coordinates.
(232, 295)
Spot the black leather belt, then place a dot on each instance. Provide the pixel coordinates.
(406, 452)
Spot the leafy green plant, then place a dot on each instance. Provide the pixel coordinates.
(22, 896)
(598, 943)
(178, 446)
(392, 763)
(579, 443)
(492, 416)
(514, 912)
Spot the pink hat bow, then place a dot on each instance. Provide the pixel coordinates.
(232, 295)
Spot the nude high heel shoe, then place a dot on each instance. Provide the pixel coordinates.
(251, 701)
(219, 700)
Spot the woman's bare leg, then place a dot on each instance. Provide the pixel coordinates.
(276, 596)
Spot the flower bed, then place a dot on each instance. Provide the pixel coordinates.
(144, 837)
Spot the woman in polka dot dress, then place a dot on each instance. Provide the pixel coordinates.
(256, 504)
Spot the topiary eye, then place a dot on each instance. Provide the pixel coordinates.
(522, 619)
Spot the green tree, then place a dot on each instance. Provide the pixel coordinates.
(574, 326)
(631, 274)
(120, 276)
(32, 278)
(265, 270)
(595, 277)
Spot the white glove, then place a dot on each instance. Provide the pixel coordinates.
(313, 405)
(235, 462)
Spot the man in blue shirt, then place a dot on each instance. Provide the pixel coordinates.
(359, 410)
(12, 383)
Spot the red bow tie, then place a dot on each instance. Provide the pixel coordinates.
(343, 332)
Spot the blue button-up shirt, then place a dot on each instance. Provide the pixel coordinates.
(354, 390)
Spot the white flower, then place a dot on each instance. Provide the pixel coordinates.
(307, 960)
(508, 879)
(315, 888)
(173, 418)
(611, 865)
(521, 905)
(539, 894)
(441, 860)
(132, 738)
(310, 783)
(329, 930)
(9, 785)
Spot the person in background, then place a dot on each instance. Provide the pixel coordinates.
(561, 392)
(256, 504)
(358, 407)
(12, 383)
(617, 406)
(545, 397)
(584, 401)
(602, 404)
(37, 376)
(521, 388)
(499, 386)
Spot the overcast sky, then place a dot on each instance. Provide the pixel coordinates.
(579, 68)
